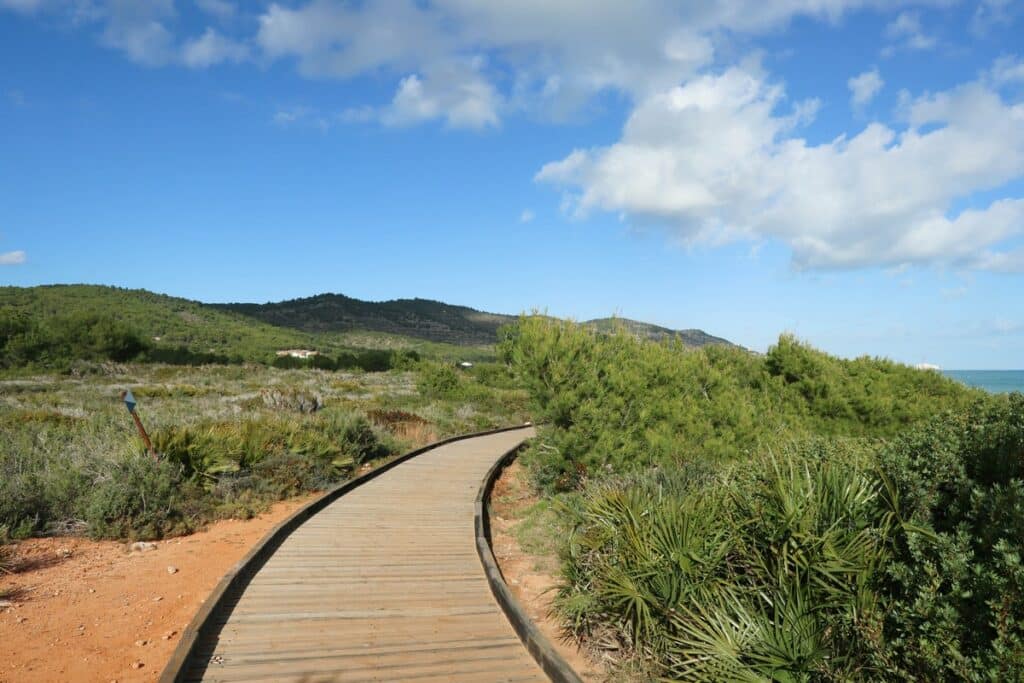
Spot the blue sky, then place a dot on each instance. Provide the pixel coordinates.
(848, 170)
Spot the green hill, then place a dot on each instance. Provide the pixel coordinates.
(689, 337)
(425, 319)
(161, 320)
(419, 318)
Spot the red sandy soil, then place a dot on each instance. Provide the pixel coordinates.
(531, 578)
(86, 610)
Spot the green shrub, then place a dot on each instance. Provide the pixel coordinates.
(760, 574)
(142, 498)
(833, 561)
(955, 587)
(37, 500)
(441, 381)
(285, 475)
(615, 402)
(208, 450)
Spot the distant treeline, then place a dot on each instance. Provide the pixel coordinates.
(56, 342)
(27, 341)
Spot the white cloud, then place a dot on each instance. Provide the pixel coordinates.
(1008, 69)
(137, 29)
(212, 48)
(715, 160)
(222, 9)
(864, 87)
(301, 116)
(145, 31)
(526, 216)
(12, 258)
(906, 32)
(556, 54)
(455, 92)
(545, 57)
(991, 13)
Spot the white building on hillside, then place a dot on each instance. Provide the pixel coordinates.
(298, 353)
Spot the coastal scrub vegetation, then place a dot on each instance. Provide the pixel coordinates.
(231, 438)
(727, 516)
(616, 402)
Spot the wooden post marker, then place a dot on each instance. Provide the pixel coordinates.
(129, 402)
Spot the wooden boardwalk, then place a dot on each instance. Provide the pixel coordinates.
(384, 584)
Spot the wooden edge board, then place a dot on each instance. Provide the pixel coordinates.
(239, 576)
(546, 656)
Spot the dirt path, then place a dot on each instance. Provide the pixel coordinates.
(93, 611)
(530, 577)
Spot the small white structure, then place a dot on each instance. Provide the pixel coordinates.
(465, 365)
(298, 353)
(927, 366)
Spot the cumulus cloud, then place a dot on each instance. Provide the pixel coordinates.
(557, 54)
(906, 32)
(526, 216)
(455, 92)
(145, 32)
(545, 57)
(864, 87)
(138, 30)
(719, 158)
(212, 48)
(12, 258)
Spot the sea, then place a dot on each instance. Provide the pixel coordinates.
(995, 381)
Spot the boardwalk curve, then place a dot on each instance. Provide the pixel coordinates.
(382, 583)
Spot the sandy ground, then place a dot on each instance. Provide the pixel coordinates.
(530, 578)
(88, 611)
(94, 611)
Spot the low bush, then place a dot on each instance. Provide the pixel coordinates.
(833, 561)
(142, 498)
(36, 500)
(440, 381)
(206, 470)
(712, 577)
(209, 450)
(955, 586)
(284, 475)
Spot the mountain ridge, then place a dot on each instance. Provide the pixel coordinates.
(312, 321)
(430, 319)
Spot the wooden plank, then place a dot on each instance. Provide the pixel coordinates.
(383, 584)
